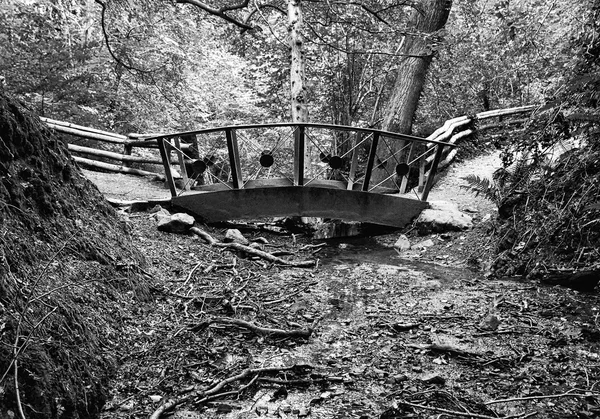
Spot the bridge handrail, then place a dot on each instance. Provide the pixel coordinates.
(300, 124)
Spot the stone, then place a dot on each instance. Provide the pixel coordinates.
(176, 223)
(441, 217)
(161, 213)
(423, 244)
(402, 244)
(490, 322)
(434, 379)
(234, 235)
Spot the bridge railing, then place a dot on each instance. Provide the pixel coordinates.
(300, 154)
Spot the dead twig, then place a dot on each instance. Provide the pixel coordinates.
(465, 414)
(549, 396)
(282, 299)
(259, 330)
(205, 394)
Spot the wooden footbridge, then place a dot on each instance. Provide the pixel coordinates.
(300, 169)
(292, 169)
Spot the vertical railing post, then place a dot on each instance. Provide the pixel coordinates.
(234, 158)
(167, 165)
(431, 176)
(422, 161)
(180, 159)
(371, 161)
(404, 182)
(354, 162)
(299, 154)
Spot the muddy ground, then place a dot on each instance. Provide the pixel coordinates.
(366, 333)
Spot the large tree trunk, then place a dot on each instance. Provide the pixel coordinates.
(297, 72)
(428, 17)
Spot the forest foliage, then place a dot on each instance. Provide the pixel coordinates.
(156, 66)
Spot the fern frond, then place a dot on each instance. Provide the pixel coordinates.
(482, 186)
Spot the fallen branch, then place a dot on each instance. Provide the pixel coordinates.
(250, 250)
(203, 235)
(435, 347)
(549, 396)
(259, 330)
(205, 394)
(466, 414)
(266, 256)
(282, 299)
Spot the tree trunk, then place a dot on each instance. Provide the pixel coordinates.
(297, 71)
(428, 17)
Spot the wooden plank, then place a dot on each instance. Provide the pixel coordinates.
(299, 155)
(354, 162)
(370, 162)
(306, 201)
(234, 159)
(167, 166)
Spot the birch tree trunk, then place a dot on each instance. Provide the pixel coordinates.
(428, 17)
(297, 71)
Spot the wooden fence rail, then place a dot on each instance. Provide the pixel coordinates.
(458, 128)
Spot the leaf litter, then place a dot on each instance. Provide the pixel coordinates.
(382, 337)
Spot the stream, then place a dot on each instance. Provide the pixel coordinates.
(361, 293)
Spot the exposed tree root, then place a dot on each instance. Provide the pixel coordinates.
(465, 414)
(259, 330)
(208, 394)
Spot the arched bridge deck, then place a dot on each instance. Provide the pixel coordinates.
(300, 169)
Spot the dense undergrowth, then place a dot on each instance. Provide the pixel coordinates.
(67, 272)
(548, 192)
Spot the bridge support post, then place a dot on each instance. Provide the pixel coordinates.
(404, 182)
(354, 162)
(371, 162)
(299, 155)
(431, 176)
(167, 165)
(181, 160)
(234, 158)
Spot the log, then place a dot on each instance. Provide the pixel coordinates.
(88, 134)
(503, 124)
(81, 128)
(115, 156)
(114, 168)
(446, 126)
(507, 111)
(452, 140)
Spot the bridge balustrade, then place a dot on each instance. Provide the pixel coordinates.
(300, 154)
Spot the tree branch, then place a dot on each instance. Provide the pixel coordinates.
(221, 11)
(107, 42)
